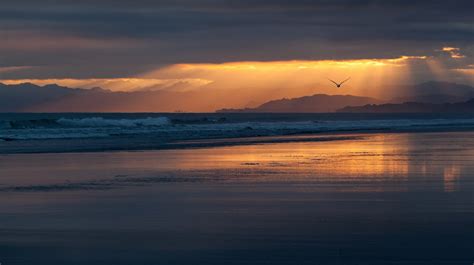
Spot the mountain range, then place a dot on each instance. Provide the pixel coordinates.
(413, 107)
(309, 104)
(424, 97)
(28, 97)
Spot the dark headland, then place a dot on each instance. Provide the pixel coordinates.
(428, 97)
(413, 107)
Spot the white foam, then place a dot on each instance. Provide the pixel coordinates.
(101, 122)
(157, 128)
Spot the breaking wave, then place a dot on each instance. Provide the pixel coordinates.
(83, 123)
(101, 122)
(162, 129)
(29, 124)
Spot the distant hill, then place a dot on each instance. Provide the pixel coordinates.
(432, 98)
(22, 97)
(309, 104)
(414, 107)
(28, 97)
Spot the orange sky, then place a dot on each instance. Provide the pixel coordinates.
(250, 83)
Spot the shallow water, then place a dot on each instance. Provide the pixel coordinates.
(375, 199)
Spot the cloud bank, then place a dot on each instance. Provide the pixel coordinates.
(123, 38)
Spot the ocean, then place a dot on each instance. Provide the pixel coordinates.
(68, 132)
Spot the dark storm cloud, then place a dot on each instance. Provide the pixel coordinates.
(86, 35)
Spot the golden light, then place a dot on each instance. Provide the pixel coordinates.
(454, 52)
(376, 158)
(438, 69)
(451, 177)
(369, 77)
(251, 83)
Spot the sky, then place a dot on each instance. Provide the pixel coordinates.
(252, 45)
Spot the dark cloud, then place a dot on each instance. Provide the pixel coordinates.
(73, 38)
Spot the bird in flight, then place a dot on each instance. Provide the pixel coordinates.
(339, 84)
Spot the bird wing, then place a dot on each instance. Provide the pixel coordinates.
(345, 80)
(333, 82)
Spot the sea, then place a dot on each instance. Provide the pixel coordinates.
(78, 132)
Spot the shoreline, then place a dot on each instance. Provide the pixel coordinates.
(397, 196)
(147, 143)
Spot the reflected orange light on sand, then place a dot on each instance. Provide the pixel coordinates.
(354, 160)
(451, 176)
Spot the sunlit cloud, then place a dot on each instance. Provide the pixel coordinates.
(7, 69)
(467, 73)
(454, 52)
(250, 83)
(299, 64)
(255, 74)
(298, 77)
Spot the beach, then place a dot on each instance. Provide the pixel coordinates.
(236, 132)
(378, 198)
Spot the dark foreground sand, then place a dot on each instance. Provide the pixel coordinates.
(379, 199)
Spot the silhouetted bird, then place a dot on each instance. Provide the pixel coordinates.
(339, 84)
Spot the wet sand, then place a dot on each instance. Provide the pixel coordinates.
(375, 199)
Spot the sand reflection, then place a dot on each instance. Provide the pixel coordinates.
(380, 161)
(451, 178)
